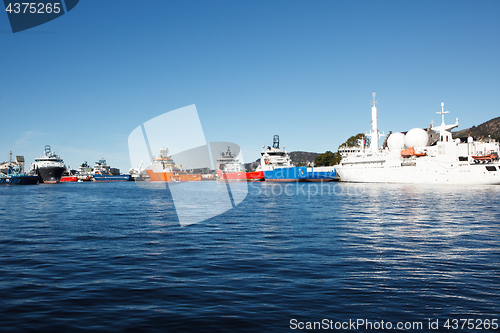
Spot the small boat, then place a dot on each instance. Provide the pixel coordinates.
(15, 177)
(490, 156)
(409, 152)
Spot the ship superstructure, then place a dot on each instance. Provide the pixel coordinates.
(277, 164)
(164, 169)
(229, 168)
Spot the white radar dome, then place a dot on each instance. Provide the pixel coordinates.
(416, 137)
(396, 141)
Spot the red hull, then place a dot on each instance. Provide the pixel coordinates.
(241, 176)
(68, 179)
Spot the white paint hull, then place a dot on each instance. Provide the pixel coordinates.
(425, 170)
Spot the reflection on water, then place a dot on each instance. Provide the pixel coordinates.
(113, 257)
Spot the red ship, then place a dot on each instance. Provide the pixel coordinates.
(68, 179)
(230, 169)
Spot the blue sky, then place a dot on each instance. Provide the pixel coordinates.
(302, 69)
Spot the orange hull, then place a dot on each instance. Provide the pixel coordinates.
(171, 177)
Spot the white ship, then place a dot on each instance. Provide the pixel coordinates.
(415, 158)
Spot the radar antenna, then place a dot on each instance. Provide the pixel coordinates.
(442, 113)
(374, 100)
(276, 141)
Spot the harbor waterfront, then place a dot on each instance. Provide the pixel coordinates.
(113, 257)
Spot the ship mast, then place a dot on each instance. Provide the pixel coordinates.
(276, 141)
(442, 113)
(444, 127)
(374, 134)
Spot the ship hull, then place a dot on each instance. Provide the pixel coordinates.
(110, 178)
(168, 176)
(50, 174)
(19, 180)
(320, 174)
(423, 172)
(68, 179)
(241, 176)
(291, 174)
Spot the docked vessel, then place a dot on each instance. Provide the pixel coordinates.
(102, 172)
(421, 156)
(84, 172)
(49, 167)
(277, 165)
(164, 169)
(321, 174)
(69, 176)
(230, 169)
(14, 176)
(68, 179)
(138, 174)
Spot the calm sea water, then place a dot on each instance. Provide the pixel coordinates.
(113, 257)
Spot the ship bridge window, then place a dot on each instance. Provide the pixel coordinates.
(491, 168)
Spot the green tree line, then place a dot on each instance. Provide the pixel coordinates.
(328, 158)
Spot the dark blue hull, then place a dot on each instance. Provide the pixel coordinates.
(319, 176)
(292, 174)
(19, 180)
(110, 178)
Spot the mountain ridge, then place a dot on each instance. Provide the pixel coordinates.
(490, 128)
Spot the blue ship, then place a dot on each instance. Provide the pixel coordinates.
(104, 173)
(110, 178)
(286, 174)
(278, 167)
(321, 174)
(15, 177)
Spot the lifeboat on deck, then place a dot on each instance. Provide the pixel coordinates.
(491, 156)
(409, 152)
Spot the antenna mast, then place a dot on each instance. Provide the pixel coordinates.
(276, 141)
(442, 113)
(374, 134)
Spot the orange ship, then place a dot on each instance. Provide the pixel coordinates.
(163, 169)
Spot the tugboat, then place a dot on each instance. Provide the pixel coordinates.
(104, 173)
(277, 164)
(83, 173)
(278, 167)
(231, 169)
(15, 177)
(49, 167)
(69, 176)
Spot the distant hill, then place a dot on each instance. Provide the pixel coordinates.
(489, 128)
(297, 157)
(302, 157)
